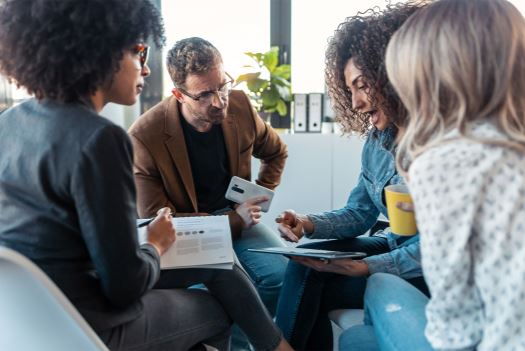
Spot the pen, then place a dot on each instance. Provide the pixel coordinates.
(145, 222)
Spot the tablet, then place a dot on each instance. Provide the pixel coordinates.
(312, 253)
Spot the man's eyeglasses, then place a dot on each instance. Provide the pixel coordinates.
(206, 97)
(143, 51)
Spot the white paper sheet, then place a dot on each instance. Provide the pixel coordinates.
(202, 242)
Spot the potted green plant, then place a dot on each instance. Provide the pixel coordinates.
(269, 82)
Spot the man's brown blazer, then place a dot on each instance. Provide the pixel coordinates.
(162, 168)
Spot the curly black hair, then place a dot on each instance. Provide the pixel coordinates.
(364, 39)
(191, 56)
(64, 50)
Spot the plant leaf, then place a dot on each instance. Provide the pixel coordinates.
(257, 57)
(257, 85)
(282, 109)
(248, 77)
(284, 71)
(270, 97)
(285, 93)
(281, 81)
(271, 58)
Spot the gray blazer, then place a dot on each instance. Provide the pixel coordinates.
(67, 201)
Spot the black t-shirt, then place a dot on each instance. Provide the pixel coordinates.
(209, 166)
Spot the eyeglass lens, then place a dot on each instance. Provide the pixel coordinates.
(223, 92)
(143, 52)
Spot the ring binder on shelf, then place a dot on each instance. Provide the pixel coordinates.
(300, 112)
(315, 112)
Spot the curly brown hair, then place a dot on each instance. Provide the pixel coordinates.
(364, 39)
(64, 50)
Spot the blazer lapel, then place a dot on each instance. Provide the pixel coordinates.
(176, 145)
(231, 140)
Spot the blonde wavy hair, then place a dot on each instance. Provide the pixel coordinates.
(456, 62)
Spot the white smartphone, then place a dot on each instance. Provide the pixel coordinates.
(240, 190)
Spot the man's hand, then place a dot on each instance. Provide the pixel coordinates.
(290, 226)
(344, 266)
(161, 232)
(250, 211)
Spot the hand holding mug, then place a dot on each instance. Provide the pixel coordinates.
(400, 210)
(405, 206)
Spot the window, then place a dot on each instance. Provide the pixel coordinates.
(10, 95)
(520, 5)
(313, 23)
(233, 27)
(6, 98)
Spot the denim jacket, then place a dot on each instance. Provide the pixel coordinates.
(364, 205)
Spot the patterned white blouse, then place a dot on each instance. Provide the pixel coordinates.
(470, 201)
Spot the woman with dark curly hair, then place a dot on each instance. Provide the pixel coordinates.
(67, 195)
(365, 103)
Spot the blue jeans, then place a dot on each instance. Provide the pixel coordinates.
(308, 296)
(395, 317)
(266, 271)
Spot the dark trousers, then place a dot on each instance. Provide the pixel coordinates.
(307, 296)
(176, 318)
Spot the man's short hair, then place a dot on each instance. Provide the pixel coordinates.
(191, 56)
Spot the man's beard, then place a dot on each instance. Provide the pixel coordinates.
(211, 115)
(215, 115)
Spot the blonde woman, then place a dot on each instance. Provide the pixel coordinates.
(458, 68)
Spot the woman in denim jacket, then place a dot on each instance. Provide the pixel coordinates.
(365, 103)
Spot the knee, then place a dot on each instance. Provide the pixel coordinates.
(386, 293)
(268, 273)
(260, 278)
(380, 281)
(270, 278)
(378, 286)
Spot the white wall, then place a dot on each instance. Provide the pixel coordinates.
(120, 114)
(320, 172)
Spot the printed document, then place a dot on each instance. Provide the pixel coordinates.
(202, 242)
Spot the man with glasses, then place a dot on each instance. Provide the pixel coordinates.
(189, 146)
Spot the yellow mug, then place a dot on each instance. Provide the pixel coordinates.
(401, 222)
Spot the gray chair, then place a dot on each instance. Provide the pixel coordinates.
(34, 314)
(343, 319)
